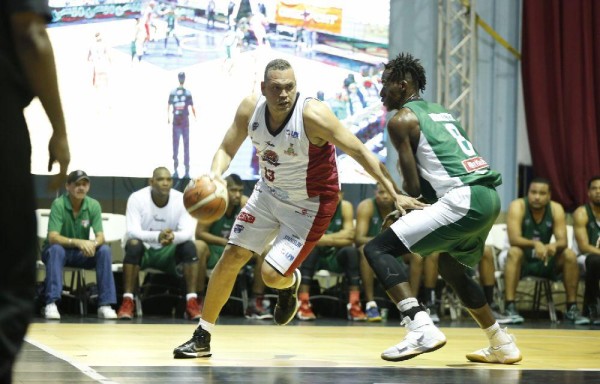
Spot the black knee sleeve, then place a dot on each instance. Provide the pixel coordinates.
(458, 277)
(186, 252)
(381, 254)
(134, 250)
(348, 258)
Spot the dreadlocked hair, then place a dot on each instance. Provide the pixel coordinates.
(405, 63)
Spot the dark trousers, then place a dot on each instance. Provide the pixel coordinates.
(18, 240)
(182, 130)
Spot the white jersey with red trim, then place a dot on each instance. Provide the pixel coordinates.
(291, 167)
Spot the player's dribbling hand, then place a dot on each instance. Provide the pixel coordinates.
(217, 178)
(404, 203)
(390, 219)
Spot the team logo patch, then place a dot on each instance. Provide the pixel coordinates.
(85, 223)
(255, 126)
(238, 228)
(289, 256)
(475, 163)
(246, 217)
(271, 157)
(290, 151)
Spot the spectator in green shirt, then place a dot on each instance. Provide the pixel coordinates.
(72, 217)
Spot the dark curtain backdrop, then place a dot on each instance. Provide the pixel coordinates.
(561, 85)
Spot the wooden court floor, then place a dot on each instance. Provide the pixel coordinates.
(332, 352)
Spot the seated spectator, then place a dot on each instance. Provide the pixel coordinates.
(370, 215)
(160, 235)
(531, 222)
(586, 225)
(72, 217)
(212, 239)
(334, 252)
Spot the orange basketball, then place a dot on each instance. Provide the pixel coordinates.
(205, 199)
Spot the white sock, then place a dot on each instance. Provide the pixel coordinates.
(371, 304)
(407, 304)
(208, 327)
(497, 335)
(191, 296)
(129, 295)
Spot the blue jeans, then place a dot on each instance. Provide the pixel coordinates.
(56, 257)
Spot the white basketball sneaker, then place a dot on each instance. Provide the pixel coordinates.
(51, 312)
(505, 352)
(422, 337)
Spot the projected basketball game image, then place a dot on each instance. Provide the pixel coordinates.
(157, 82)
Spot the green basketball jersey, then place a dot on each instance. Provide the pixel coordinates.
(375, 222)
(445, 157)
(541, 231)
(222, 227)
(593, 228)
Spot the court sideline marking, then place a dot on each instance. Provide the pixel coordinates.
(86, 370)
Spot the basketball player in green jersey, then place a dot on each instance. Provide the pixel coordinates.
(586, 225)
(438, 161)
(531, 222)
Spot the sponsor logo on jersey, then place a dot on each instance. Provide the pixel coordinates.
(475, 163)
(255, 126)
(246, 217)
(271, 157)
(293, 240)
(269, 144)
(289, 256)
(293, 134)
(304, 212)
(238, 228)
(159, 219)
(85, 223)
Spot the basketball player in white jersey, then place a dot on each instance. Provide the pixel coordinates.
(295, 198)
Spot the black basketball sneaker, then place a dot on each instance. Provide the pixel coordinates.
(197, 346)
(287, 302)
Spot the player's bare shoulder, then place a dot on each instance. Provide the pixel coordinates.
(247, 105)
(319, 121)
(403, 122)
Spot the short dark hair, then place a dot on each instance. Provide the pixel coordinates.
(277, 65)
(541, 180)
(158, 169)
(234, 179)
(405, 63)
(594, 178)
